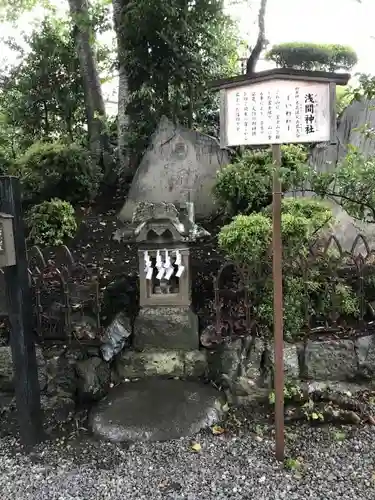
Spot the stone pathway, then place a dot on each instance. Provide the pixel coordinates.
(156, 410)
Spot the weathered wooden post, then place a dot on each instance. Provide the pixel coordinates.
(275, 107)
(13, 260)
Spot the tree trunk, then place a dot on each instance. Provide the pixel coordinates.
(123, 93)
(257, 50)
(94, 103)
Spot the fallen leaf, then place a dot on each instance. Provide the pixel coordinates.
(371, 420)
(196, 447)
(217, 430)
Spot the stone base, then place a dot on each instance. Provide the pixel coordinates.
(157, 410)
(166, 327)
(153, 363)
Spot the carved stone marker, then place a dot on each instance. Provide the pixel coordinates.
(163, 235)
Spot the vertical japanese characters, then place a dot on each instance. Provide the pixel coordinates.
(278, 112)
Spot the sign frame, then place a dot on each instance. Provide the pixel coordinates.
(332, 79)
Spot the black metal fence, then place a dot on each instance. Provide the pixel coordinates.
(328, 291)
(66, 300)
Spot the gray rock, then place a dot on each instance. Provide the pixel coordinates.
(224, 360)
(166, 328)
(330, 360)
(94, 377)
(156, 410)
(291, 360)
(6, 369)
(365, 347)
(178, 161)
(115, 336)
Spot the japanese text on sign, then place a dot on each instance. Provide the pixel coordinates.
(2, 244)
(277, 112)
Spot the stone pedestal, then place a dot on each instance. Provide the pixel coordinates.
(166, 327)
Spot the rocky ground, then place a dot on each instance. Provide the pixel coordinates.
(323, 463)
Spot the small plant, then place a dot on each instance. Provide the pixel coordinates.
(245, 186)
(293, 464)
(51, 222)
(292, 392)
(311, 412)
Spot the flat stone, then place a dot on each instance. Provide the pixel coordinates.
(156, 410)
(150, 363)
(166, 328)
(330, 360)
(162, 363)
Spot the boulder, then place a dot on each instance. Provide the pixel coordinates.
(330, 360)
(179, 164)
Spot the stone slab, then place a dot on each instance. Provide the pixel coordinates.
(166, 328)
(162, 363)
(156, 410)
(330, 360)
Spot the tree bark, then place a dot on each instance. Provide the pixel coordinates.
(94, 103)
(259, 45)
(125, 166)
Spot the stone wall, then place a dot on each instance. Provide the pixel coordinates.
(242, 367)
(245, 367)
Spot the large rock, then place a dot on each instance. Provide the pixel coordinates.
(6, 369)
(179, 163)
(330, 360)
(156, 410)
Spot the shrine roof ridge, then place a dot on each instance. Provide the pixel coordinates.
(281, 74)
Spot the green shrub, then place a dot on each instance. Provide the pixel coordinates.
(57, 170)
(245, 186)
(247, 241)
(313, 56)
(51, 222)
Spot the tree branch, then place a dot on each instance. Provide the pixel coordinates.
(255, 53)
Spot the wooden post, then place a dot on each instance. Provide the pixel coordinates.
(278, 302)
(19, 305)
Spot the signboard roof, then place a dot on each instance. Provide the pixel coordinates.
(281, 74)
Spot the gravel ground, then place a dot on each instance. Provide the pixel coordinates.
(327, 463)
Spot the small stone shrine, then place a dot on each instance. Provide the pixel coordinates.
(163, 234)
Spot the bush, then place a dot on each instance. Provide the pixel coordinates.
(313, 56)
(245, 186)
(57, 170)
(51, 222)
(247, 241)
